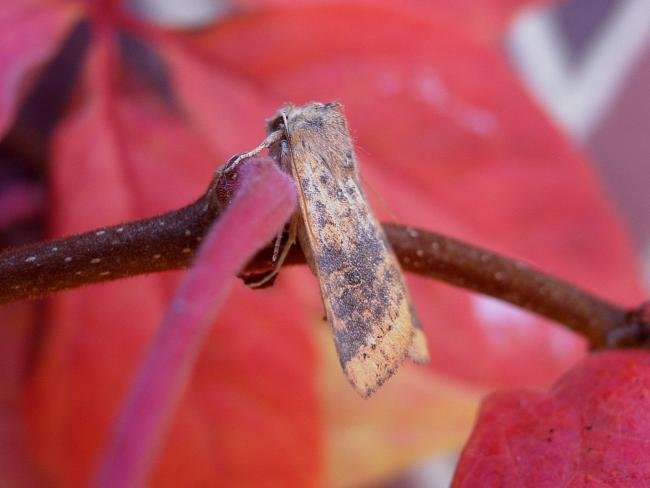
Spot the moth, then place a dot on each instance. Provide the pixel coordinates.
(363, 290)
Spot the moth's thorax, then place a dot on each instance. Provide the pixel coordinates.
(319, 137)
(314, 117)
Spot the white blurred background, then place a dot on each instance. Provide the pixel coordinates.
(587, 62)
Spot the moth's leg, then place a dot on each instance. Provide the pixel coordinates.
(276, 246)
(291, 240)
(271, 139)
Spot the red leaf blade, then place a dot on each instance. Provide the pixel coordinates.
(593, 425)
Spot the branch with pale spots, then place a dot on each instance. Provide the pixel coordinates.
(169, 242)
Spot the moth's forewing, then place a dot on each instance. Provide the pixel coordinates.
(362, 286)
(419, 351)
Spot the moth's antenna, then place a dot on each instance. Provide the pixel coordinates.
(366, 184)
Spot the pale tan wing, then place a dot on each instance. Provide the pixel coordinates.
(362, 286)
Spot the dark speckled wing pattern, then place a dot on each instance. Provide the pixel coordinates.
(362, 286)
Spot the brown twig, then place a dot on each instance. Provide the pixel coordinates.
(169, 241)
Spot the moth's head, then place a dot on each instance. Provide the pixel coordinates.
(312, 115)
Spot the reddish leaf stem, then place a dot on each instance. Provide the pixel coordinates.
(263, 203)
(168, 242)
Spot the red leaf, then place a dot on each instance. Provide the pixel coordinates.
(229, 119)
(265, 200)
(19, 202)
(591, 429)
(484, 20)
(446, 136)
(124, 155)
(30, 32)
(17, 331)
(449, 141)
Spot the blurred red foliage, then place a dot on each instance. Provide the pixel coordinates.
(446, 136)
(590, 429)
